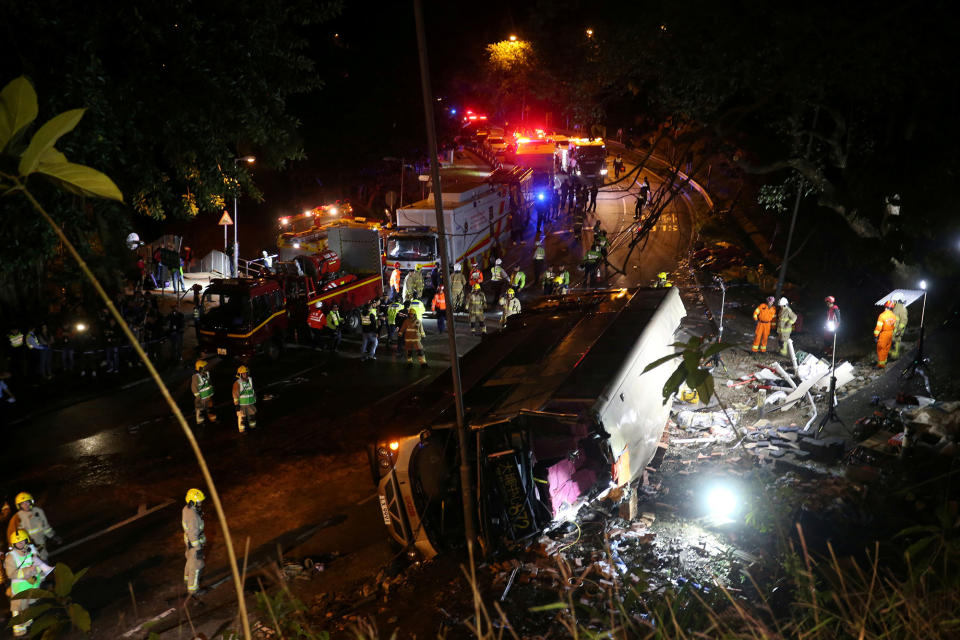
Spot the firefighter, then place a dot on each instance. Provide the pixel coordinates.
(883, 332)
(539, 260)
(413, 284)
(518, 280)
(763, 315)
(25, 571)
(412, 331)
(562, 281)
(370, 328)
(439, 306)
(203, 393)
(245, 399)
(392, 310)
(548, 280)
(33, 520)
(458, 286)
(591, 263)
(476, 275)
(417, 307)
(899, 310)
(402, 314)
(786, 318)
(395, 281)
(477, 304)
(334, 326)
(191, 519)
(662, 281)
(498, 278)
(316, 321)
(509, 306)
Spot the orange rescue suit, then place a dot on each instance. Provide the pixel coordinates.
(764, 316)
(883, 332)
(395, 280)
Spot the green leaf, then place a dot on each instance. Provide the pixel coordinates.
(660, 361)
(33, 594)
(920, 528)
(62, 580)
(553, 606)
(31, 613)
(18, 108)
(672, 385)
(79, 574)
(52, 156)
(918, 547)
(706, 389)
(42, 624)
(79, 617)
(47, 136)
(86, 180)
(716, 348)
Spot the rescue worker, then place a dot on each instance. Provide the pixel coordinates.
(334, 326)
(245, 399)
(413, 284)
(33, 520)
(191, 519)
(412, 331)
(498, 278)
(763, 315)
(476, 275)
(562, 281)
(395, 281)
(590, 264)
(518, 280)
(883, 332)
(17, 342)
(477, 304)
(439, 306)
(316, 321)
(203, 393)
(833, 319)
(899, 310)
(402, 314)
(392, 310)
(25, 571)
(539, 260)
(458, 286)
(785, 321)
(548, 280)
(662, 281)
(417, 307)
(370, 328)
(509, 306)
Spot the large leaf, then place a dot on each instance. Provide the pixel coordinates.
(79, 574)
(30, 613)
(18, 108)
(672, 385)
(79, 617)
(660, 361)
(47, 136)
(62, 580)
(47, 622)
(83, 178)
(33, 594)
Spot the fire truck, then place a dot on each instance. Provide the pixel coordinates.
(478, 213)
(585, 158)
(243, 316)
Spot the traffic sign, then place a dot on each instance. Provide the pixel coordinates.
(225, 218)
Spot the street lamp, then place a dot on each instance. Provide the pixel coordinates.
(513, 38)
(831, 415)
(236, 245)
(589, 33)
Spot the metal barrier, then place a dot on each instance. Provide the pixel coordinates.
(216, 262)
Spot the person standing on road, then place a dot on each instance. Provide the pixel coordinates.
(417, 307)
(786, 318)
(518, 280)
(617, 166)
(370, 326)
(402, 314)
(413, 284)
(594, 190)
(458, 285)
(413, 333)
(191, 519)
(391, 320)
(439, 306)
(763, 315)
(477, 304)
(498, 278)
(32, 520)
(547, 281)
(509, 306)
(642, 198)
(899, 310)
(564, 193)
(395, 281)
(334, 327)
(883, 332)
(476, 275)
(25, 571)
(202, 393)
(590, 265)
(539, 260)
(245, 399)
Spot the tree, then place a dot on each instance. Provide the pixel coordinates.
(509, 66)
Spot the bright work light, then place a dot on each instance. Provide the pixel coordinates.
(721, 502)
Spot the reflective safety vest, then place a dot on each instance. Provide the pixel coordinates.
(477, 302)
(368, 318)
(886, 323)
(412, 333)
(564, 278)
(246, 394)
(764, 313)
(192, 524)
(592, 256)
(392, 309)
(548, 276)
(16, 339)
(17, 565)
(602, 241)
(476, 277)
(204, 388)
(440, 301)
(32, 342)
(539, 253)
(333, 319)
(511, 306)
(497, 274)
(417, 307)
(519, 280)
(395, 280)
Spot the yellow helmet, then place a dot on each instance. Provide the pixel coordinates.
(418, 267)
(18, 536)
(476, 287)
(195, 495)
(242, 369)
(200, 364)
(510, 292)
(22, 497)
(662, 275)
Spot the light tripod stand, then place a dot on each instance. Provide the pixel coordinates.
(715, 360)
(918, 366)
(831, 414)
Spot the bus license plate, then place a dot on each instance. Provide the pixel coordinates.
(221, 351)
(384, 510)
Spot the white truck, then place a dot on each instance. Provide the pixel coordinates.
(558, 409)
(479, 208)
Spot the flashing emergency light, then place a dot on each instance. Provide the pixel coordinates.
(296, 245)
(81, 327)
(523, 140)
(540, 196)
(284, 221)
(394, 445)
(333, 211)
(453, 112)
(603, 172)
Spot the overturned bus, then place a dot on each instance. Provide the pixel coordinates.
(558, 409)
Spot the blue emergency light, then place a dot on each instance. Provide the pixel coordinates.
(540, 196)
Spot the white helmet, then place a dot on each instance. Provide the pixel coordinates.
(783, 302)
(457, 267)
(499, 261)
(898, 297)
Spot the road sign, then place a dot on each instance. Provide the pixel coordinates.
(225, 218)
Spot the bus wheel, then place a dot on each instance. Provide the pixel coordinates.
(352, 321)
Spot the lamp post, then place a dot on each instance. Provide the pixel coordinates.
(236, 245)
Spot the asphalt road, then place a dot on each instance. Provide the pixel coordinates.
(300, 481)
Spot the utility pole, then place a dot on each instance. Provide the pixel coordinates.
(466, 475)
(793, 219)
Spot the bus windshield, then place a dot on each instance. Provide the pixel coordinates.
(411, 248)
